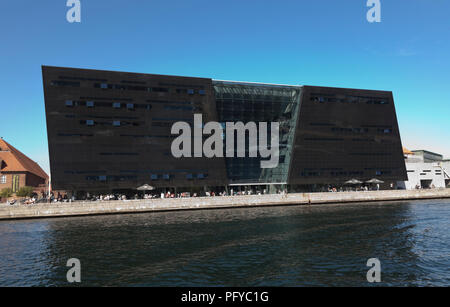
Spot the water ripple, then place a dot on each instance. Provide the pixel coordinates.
(326, 245)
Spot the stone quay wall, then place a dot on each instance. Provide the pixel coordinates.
(80, 208)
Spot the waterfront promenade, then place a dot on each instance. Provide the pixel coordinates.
(44, 210)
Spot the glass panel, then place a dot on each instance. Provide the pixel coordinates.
(259, 103)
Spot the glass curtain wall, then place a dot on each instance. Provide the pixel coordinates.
(246, 102)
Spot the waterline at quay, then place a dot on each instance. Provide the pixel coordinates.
(320, 245)
(81, 208)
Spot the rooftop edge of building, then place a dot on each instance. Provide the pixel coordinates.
(247, 83)
(427, 151)
(118, 71)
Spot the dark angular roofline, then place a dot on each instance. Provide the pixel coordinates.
(117, 71)
(247, 83)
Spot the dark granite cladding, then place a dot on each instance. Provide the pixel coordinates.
(111, 130)
(346, 133)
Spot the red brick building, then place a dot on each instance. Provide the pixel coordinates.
(17, 170)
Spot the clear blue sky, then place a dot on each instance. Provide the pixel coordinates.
(320, 42)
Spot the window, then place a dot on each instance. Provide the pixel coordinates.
(322, 139)
(65, 83)
(89, 122)
(3, 179)
(200, 176)
(201, 92)
(189, 176)
(116, 123)
(102, 178)
(158, 89)
(310, 174)
(69, 103)
(130, 106)
(154, 177)
(321, 124)
(384, 130)
(166, 176)
(116, 105)
(103, 85)
(89, 104)
(190, 91)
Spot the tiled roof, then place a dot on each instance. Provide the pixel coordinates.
(407, 151)
(17, 162)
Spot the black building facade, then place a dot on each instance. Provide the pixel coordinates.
(111, 131)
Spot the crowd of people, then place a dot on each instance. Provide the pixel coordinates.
(350, 189)
(63, 197)
(418, 187)
(170, 194)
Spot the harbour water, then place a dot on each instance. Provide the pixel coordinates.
(319, 245)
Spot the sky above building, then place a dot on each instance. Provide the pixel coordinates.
(321, 42)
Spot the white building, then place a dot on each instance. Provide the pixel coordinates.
(425, 170)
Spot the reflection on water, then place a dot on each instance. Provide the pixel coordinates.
(277, 246)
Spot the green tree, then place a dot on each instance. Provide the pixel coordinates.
(25, 191)
(6, 192)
